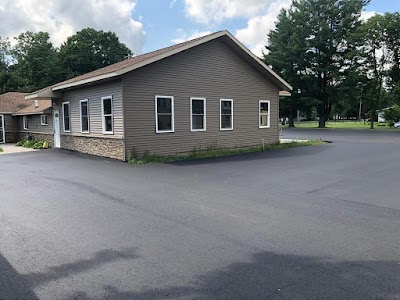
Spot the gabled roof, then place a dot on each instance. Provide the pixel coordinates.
(136, 62)
(14, 103)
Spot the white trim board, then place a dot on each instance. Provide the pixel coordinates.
(172, 130)
(204, 114)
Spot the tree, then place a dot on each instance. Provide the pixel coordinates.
(89, 50)
(285, 54)
(9, 80)
(392, 114)
(392, 37)
(372, 60)
(330, 25)
(318, 34)
(37, 61)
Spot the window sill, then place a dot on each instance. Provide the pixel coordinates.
(198, 130)
(169, 131)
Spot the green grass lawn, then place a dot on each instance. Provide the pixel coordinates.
(1, 149)
(342, 125)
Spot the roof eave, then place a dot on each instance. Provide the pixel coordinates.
(84, 81)
(283, 84)
(29, 113)
(54, 92)
(285, 94)
(45, 93)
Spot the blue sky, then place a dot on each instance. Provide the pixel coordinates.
(146, 25)
(170, 22)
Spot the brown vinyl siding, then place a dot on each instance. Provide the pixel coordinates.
(11, 123)
(212, 71)
(93, 94)
(35, 124)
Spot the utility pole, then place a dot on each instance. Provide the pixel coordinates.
(359, 112)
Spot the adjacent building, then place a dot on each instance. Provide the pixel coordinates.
(20, 117)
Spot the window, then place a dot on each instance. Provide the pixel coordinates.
(43, 120)
(198, 114)
(25, 120)
(107, 112)
(164, 114)
(66, 117)
(226, 114)
(84, 108)
(264, 116)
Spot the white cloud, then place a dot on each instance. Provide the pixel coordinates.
(211, 12)
(183, 36)
(172, 3)
(63, 18)
(365, 15)
(255, 35)
(261, 16)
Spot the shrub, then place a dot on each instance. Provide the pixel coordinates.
(20, 143)
(28, 144)
(38, 145)
(392, 114)
(33, 144)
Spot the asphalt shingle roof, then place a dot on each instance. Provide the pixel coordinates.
(15, 103)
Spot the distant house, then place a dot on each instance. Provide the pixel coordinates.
(20, 117)
(207, 92)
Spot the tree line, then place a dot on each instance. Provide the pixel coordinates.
(335, 61)
(32, 62)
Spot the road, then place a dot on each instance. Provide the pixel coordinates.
(318, 222)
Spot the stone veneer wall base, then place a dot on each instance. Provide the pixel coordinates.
(105, 147)
(43, 137)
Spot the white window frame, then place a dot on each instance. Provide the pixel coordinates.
(204, 114)
(259, 113)
(172, 130)
(107, 115)
(63, 115)
(88, 115)
(220, 114)
(2, 124)
(42, 122)
(24, 120)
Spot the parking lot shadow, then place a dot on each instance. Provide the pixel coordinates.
(21, 286)
(12, 284)
(278, 276)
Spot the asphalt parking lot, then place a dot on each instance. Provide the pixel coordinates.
(318, 222)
